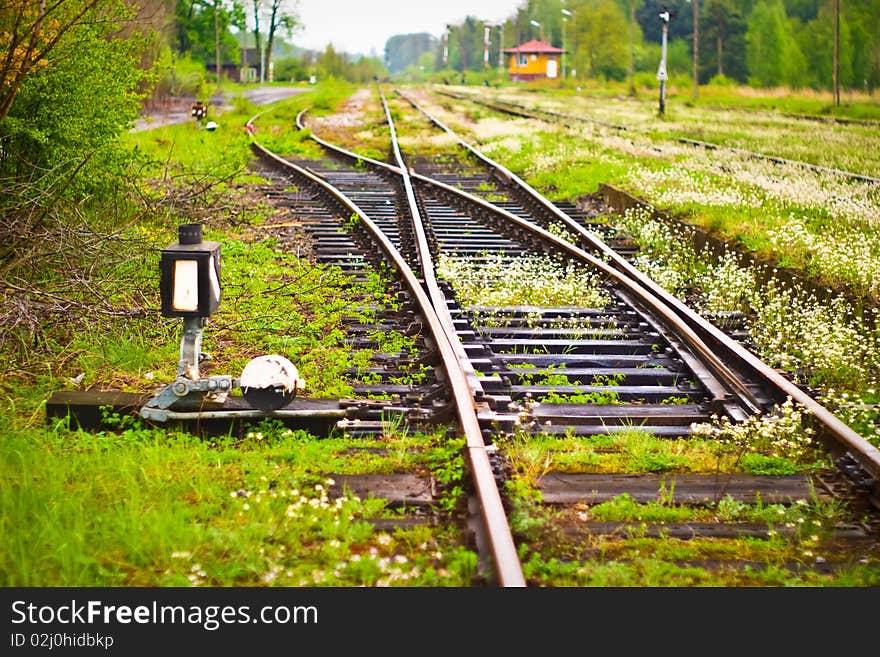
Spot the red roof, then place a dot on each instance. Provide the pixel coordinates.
(535, 46)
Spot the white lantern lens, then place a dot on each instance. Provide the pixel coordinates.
(186, 285)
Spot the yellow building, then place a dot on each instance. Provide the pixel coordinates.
(533, 60)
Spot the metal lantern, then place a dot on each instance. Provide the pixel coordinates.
(190, 275)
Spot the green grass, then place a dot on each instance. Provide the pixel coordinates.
(634, 450)
(797, 537)
(160, 508)
(670, 568)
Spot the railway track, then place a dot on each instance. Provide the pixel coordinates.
(556, 401)
(534, 112)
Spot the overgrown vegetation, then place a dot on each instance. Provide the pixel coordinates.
(84, 210)
(152, 507)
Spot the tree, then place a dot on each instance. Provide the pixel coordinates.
(280, 18)
(466, 45)
(71, 84)
(772, 53)
(863, 20)
(30, 33)
(203, 30)
(817, 39)
(257, 5)
(634, 30)
(404, 50)
(724, 27)
(332, 64)
(602, 49)
(68, 88)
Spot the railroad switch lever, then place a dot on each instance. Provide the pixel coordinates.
(189, 390)
(190, 289)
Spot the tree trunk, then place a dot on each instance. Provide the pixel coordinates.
(257, 36)
(217, 40)
(836, 52)
(273, 25)
(696, 48)
(632, 47)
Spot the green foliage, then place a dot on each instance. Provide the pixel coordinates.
(598, 397)
(760, 464)
(816, 41)
(782, 437)
(722, 81)
(178, 74)
(195, 29)
(290, 68)
(287, 321)
(61, 131)
(404, 50)
(601, 51)
(773, 55)
(148, 507)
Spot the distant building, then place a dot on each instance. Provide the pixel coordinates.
(248, 70)
(533, 60)
(250, 65)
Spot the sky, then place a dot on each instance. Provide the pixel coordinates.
(363, 26)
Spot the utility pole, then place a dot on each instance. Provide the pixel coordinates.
(501, 49)
(632, 48)
(696, 48)
(661, 71)
(446, 47)
(486, 46)
(217, 41)
(565, 14)
(836, 52)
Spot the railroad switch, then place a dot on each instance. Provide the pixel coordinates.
(190, 289)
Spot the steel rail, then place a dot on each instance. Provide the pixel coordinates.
(731, 382)
(426, 260)
(505, 557)
(490, 502)
(866, 454)
(715, 365)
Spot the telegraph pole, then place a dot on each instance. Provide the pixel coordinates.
(486, 46)
(661, 70)
(630, 73)
(696, 48)
(565, 14)
(501, 50)
(217, 41)
(837, 52)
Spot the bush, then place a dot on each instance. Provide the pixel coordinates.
(189, 76)
(290, 68)
(722, 81)
(646, 80)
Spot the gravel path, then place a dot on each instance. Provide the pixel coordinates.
(178, 111)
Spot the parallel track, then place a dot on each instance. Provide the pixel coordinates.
(518, 109)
